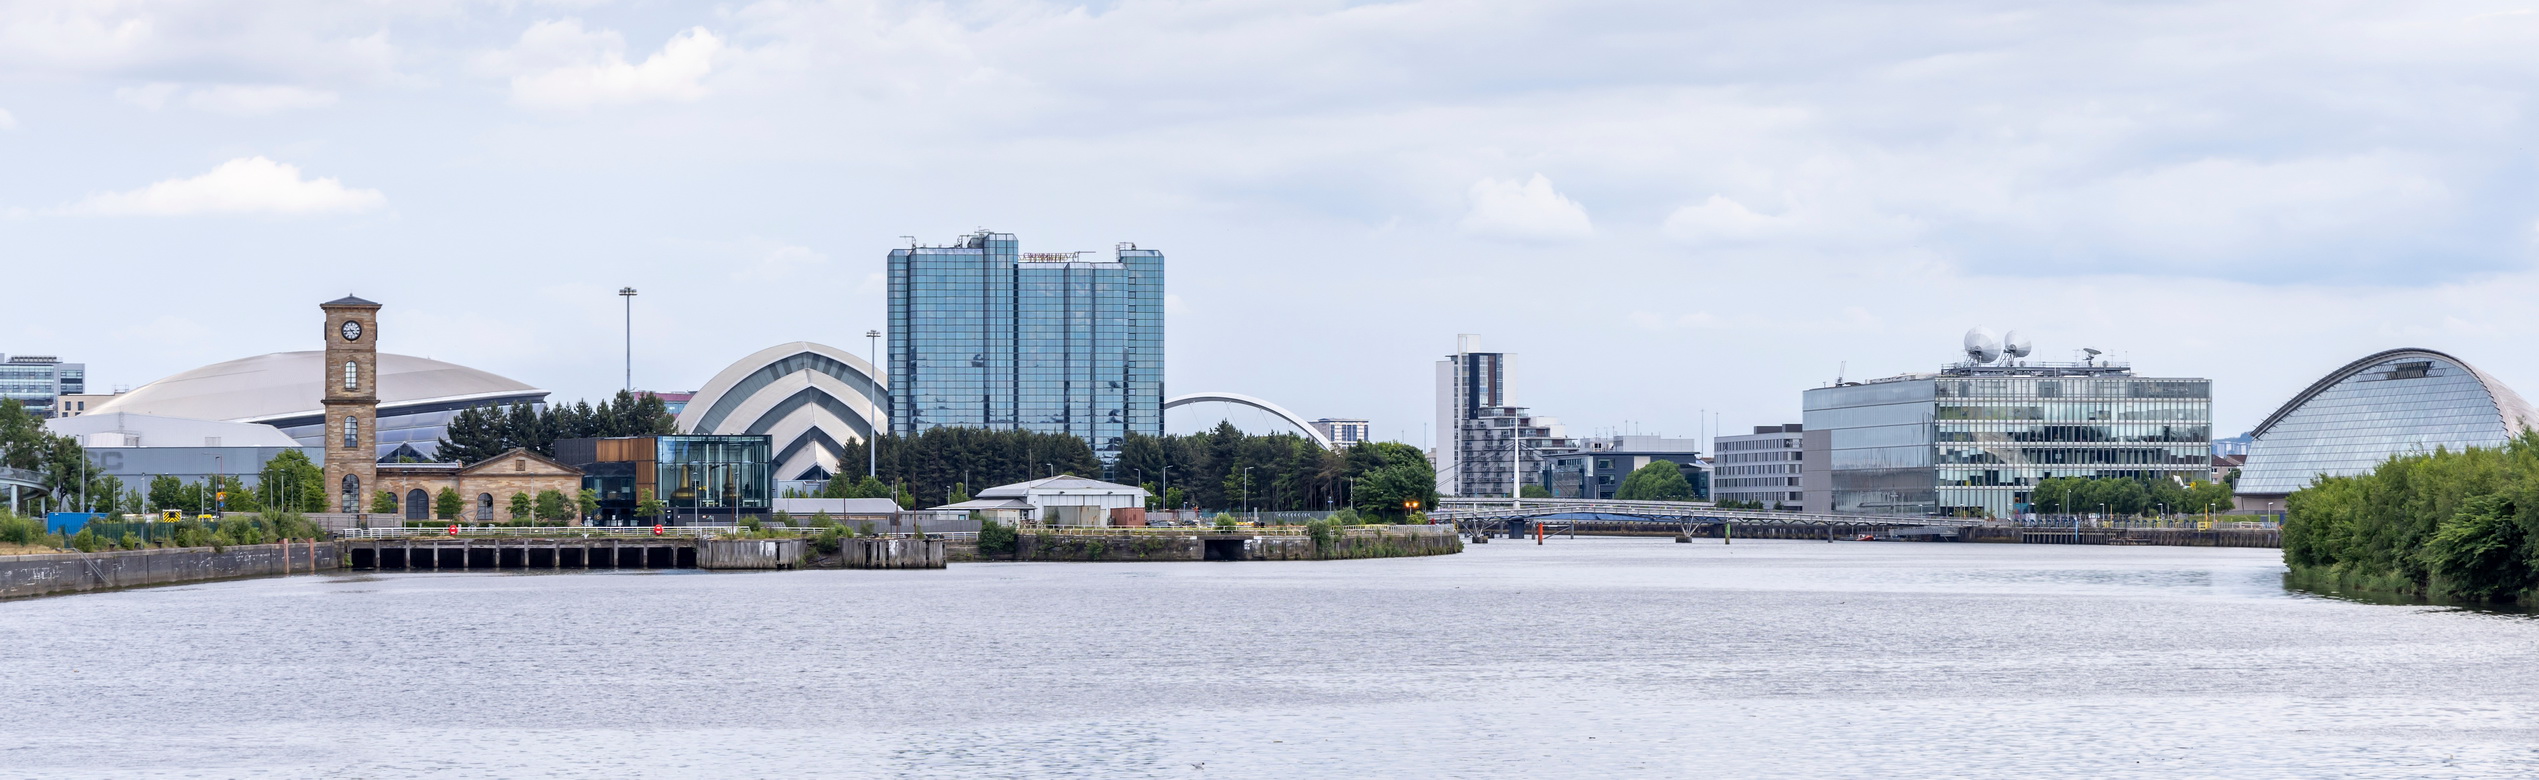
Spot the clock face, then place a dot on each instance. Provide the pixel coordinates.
(352, 330)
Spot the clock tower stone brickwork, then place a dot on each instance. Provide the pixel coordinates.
(352, 401)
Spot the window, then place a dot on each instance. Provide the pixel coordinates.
(352, 432)
(352, 375)
(352, 493)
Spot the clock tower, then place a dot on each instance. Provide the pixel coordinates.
(352, 401)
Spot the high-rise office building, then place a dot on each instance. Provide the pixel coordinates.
(34, 381)
(1485, 445)
(985, 335)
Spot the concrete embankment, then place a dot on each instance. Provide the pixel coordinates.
(1206, 545)
(2001, 534)
(42, 575)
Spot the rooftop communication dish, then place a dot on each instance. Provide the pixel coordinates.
(2014, 345)
(1982, 346)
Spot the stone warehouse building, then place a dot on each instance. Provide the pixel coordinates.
(351, 379)
(486, 486)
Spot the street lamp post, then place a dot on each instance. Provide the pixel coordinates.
(872, 411)
(628, 293)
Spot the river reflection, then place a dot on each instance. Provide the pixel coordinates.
(1577, 658)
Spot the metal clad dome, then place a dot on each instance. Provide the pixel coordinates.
(813, 401)
(2388, 403)
(281, 386)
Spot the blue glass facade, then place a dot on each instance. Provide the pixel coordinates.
(984, 335)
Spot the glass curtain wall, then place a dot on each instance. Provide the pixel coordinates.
(985, 336)
(1976, 445)
(713, 475)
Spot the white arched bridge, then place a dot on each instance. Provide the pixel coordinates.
(1485, 513)
(1274, 409)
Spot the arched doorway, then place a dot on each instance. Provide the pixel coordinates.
(352, 493)
(484, 507)
(418, 505)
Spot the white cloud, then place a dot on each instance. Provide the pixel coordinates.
(7, 120)
(559, 65)
(248, 185)
(1720, 219)
(231, 99)
(1529, 210)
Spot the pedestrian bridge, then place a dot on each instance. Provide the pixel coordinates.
(14, 480)
(1587, 511)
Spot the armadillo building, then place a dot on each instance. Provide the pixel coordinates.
(2396, 402)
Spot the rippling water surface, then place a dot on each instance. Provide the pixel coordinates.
(1578, 658)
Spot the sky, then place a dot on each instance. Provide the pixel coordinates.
(1671, 211)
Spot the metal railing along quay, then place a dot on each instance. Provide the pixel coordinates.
(581, 531)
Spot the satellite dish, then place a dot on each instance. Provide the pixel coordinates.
(1981, 345)
(2013, 344)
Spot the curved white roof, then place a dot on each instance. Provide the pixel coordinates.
(809, 398)
(285, 385)
(142, 430)
(1281, 412)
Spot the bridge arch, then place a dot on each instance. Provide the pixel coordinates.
(1256, 403)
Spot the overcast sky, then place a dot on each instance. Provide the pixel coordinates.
(1663, 207)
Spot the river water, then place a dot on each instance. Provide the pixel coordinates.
(1577, 658)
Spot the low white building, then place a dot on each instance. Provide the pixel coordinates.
(1058, 501)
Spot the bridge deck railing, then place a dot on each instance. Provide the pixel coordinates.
(1483, 510)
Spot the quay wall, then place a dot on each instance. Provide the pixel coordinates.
(866, 553)
(1997, 534)
(1399, 542)
(42, 575)
(751, 553)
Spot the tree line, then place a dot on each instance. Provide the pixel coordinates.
(481, 432)
(2452, 524)
(1222, 469)
(2125, 496)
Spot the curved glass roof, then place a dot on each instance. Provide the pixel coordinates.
(2389, 403)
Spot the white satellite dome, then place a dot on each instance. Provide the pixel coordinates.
(2015, 344)
(1981, 345)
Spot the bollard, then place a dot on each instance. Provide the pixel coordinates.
(1728, 533)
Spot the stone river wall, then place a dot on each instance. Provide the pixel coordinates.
(42, 575)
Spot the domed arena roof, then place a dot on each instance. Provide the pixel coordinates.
(282, 388)
(2395, 402)
(810, 399)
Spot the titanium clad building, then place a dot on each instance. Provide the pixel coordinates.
(2397, 402)
(984, 335)
(1972, 439)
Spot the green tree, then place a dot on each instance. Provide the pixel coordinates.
(1534, 491)
(553, 507)
(523, 507)
(446, 505)
(1661, 480)
(291, 481)
(483, 432)
(2480, 552)
(1388, 478)
(383, 503)
(586, 502)
(649, 507)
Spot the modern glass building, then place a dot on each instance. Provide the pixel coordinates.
(985, 335)
(2389, 403)
(34, 381)
(704, 479)
(1972, 439)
